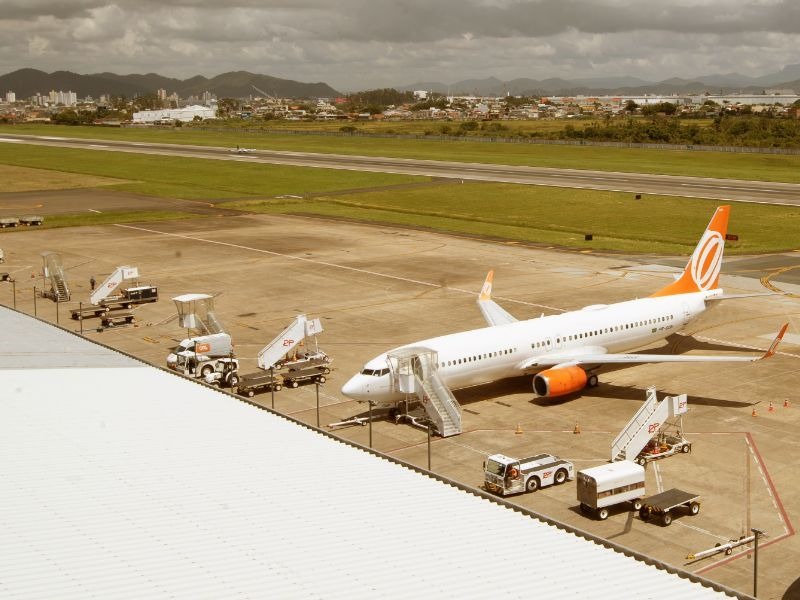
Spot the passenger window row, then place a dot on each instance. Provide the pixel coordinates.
(476, 358)
(597, 332)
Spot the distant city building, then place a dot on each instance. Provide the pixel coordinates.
(420, 94)
(11, 97)
(162, 94)
(174, 114)
(207, 98)
(63, 98)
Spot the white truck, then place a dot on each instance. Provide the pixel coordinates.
(506, 475)
(600, 488)
(215, 345)
(204, 367)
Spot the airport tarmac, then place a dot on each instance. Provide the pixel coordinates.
(377, 287)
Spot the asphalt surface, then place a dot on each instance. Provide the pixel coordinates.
(731, 190)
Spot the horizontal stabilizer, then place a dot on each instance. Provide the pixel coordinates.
(737, 296)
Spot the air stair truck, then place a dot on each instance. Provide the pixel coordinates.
(505, 475)
(654, 432)
(281, 364)
(600, 488)
(206, 341)
(101, 301)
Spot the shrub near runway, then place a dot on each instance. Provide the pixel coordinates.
(756, 167)
(546, 215)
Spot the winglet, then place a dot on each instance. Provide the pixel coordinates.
(486, 290)
(773, 348)
(702, 271)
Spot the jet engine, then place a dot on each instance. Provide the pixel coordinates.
(561, 381)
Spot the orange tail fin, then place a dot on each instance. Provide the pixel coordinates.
(702, 272)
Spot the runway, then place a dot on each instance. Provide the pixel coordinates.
(732, 190)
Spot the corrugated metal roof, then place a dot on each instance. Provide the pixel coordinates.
(134, 482)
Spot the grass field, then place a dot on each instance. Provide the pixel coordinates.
(194, 179)
(758, 167)
(22, 179)
(546, 215)
(554, 216)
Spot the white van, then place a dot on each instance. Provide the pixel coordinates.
(611, 484)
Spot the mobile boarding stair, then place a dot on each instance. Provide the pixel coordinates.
(414, 371)
(647, 421)
(287, 340)
(54, 271)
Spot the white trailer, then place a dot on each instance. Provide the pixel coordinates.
(600, 488)
(506, 475)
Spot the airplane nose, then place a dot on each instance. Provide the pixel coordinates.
(353, 388)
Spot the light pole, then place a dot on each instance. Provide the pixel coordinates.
(756, 534)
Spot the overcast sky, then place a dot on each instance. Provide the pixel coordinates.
(364, 44)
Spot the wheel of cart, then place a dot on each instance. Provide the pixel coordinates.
(292, 383)
(666, 519)
(637, 504)
(321, 379)
(602, 514)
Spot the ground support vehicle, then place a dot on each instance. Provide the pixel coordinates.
(192, 364)
(661, 505)
(215, 345)
(318, 360)
(293, 377)
(311, 366)
(600, 488)
(116, 319)
(9, 222)
(132, 296)
(252, 383)
(31, 220)
(225, 373)
(87, 312)
(505, 475)
(663, 445)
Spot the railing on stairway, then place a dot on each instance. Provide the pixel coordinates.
(634, 426)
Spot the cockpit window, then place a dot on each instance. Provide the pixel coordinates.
(375, 372)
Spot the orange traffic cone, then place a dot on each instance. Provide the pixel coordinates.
(518, 430)
(753, 414)
(577, 428)
(786, 403)
(771, 408)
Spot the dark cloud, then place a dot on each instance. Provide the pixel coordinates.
(353, 44)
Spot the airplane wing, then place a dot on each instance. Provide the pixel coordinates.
(595, 355)
(492, 312)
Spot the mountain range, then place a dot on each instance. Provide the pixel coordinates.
(788, 78)
(242, 84)
(236, 84)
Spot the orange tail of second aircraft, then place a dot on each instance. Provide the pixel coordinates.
(702, 272)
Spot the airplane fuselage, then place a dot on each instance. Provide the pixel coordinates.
(492, 353)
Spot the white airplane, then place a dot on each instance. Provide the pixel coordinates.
(561, 350)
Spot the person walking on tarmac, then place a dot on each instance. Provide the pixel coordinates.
(92, 282)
